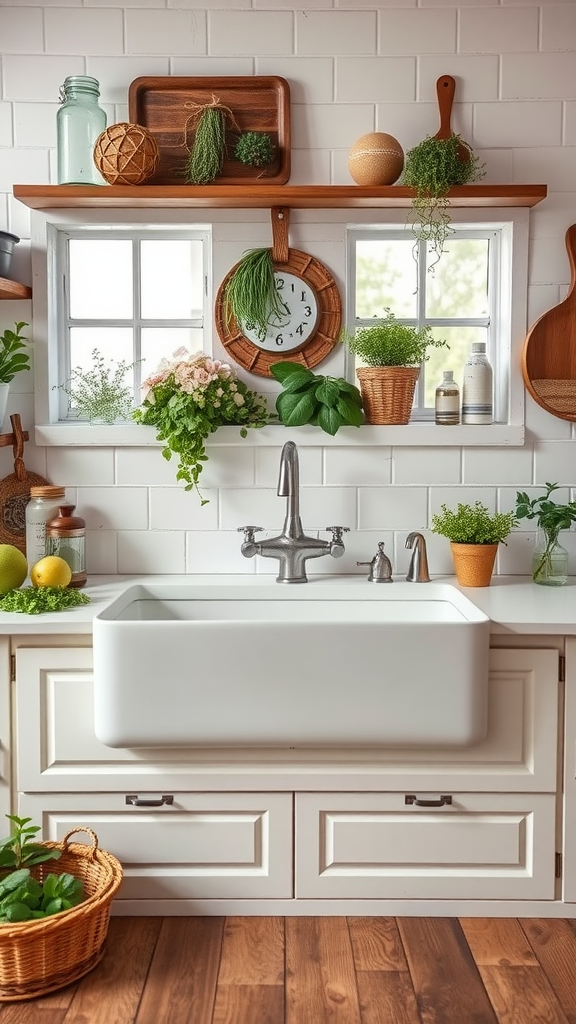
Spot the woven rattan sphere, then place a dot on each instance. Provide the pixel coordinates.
(376, 159)
(126, 154)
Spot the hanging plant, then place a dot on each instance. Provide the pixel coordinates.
(254, 149)
(250, 296)
(206, 154)
(431, 169)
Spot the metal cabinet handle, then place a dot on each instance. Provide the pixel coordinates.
(134, 800)
(444, 799)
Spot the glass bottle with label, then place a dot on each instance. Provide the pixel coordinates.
(66, 537)
(447, 402)
(79, 122)
(43, 505)
(477, 387)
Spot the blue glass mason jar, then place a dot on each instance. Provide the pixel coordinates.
(79, 122)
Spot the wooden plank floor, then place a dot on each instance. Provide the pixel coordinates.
(321, 970)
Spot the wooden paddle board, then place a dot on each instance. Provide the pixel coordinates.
(445, 89)
(15, 489)
(549, 354)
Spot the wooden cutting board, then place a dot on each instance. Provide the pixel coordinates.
(549, 355)
(445, 89)
(15, 489)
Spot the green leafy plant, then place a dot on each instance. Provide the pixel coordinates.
(12, 359)
(551, 517)
(19, 849)
(326, 402)
(473, 524)
(100, 393)
(431, 169)
(190, 397)
(35, 600)
(23, 898)
(250, 295)
(206, 156)
(254, 149)
(390, 343)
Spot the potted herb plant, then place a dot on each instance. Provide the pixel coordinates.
(550, 559)
(393, 354)
(474, 534)
(101, 394)
(12, 360)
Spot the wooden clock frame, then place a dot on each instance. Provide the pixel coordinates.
(316, 276)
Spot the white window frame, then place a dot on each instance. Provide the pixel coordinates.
(512, 306)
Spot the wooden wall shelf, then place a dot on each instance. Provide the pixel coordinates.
(44, 197)
(14, 290)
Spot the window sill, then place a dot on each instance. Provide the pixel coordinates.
(414, 435)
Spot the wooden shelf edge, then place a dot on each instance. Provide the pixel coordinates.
(44, 197)
(14, 290)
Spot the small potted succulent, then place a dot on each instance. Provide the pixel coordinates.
(393, 353)
(474, 534)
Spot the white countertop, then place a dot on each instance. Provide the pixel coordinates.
(513, 603)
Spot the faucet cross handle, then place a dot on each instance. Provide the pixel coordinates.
(337, 543)
(249, 544)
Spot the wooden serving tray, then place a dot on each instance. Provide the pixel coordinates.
(258, 103)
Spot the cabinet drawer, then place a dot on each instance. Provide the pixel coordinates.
(371, 846)
(204, 845)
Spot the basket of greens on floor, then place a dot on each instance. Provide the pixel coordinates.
(53, 920)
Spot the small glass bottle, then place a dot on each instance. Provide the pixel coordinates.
(66, 538)
(447, 402)
(79, 122)
(43, 505)
(477, 387)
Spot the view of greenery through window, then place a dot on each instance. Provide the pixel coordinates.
(453, 297)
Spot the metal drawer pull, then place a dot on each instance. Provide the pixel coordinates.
(135, 800)
(444, 799)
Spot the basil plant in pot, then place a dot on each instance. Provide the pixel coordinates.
(550, 559)
(12, 360)
(474, 534)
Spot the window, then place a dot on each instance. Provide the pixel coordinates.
(134, 296)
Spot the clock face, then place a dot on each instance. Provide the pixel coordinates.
(297, 322)
(304, 332)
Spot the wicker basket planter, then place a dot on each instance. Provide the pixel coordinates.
(387, 392)
(474, 563)
(37, 957)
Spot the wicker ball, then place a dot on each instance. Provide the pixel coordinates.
(376, 159)
(126, 154)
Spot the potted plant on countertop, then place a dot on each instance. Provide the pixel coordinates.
(550, 559)
(12, 360)
(474, 534)
(394, 353)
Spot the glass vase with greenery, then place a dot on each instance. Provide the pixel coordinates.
(100, 394)
(550, 560)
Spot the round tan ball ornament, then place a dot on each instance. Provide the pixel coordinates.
(126, 154)
(376, 159)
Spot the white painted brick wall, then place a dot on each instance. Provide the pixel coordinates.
(353, 66)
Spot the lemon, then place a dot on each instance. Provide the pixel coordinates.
(50, 571)
(13, 568)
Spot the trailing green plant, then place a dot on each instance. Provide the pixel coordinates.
(255, 149)
(22, 897)
(187, 399)
(35, 600)
(325, 402)
(12, 359)
(390, 343)
(473, 524)
(250, 296)
(551, 517)
(432, 168)
(100, 393)
(207, 153)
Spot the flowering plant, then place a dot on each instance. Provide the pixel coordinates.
(102, 392)
(187, 399)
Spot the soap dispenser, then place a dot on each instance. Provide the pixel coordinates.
(380, 566)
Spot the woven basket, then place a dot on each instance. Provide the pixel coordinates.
(474, 563)
(126, 154)
(41, 956)
(559, 395)
(387, 392)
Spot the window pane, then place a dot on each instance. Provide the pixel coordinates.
(113, 343)
(161, 343)
(460, 341)
(100, 278)
(459, 285)
(172, 279)
(386, 277)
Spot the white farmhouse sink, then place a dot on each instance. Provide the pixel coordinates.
(253, 664)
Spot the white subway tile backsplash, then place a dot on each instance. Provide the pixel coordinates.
(555, 461)
(25, 166)
(173, 508)
(538, 76)
(490, 465)
(101, 552)
(417, 31)
(83, 31)
(426, 465)
(331, 125)
(217, 551)
(251, 507)
(114, 508)
(497, 30)
(518, 124)
(251, 32)
(268, 466)
(229, 467)
(334, 32)
(145, 466)
(161, 32)
(558, 27)
(353, 467)
(6, 137)
(392, 508)
(116, 73)
(453, 496)
(476, 76)
(382, 78)
(311, 79)
(21, 30)
(35, 124)
(149, 551)
(37, 79)
(321, 507)
(74, 467)
(541, 425)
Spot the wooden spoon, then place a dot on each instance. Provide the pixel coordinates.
(549, 355)
(445, 89)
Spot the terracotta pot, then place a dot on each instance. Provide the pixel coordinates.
(474, 563)
(387, 392)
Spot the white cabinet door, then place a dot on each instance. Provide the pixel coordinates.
(203, 845)
(376, 846)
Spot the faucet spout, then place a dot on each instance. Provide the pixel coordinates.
(289, 488)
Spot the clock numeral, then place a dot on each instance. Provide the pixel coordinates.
(279, 339)
(279, 283)
(308, 311)
(300, 328)
(303, 298)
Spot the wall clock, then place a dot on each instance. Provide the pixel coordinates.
(309, 325)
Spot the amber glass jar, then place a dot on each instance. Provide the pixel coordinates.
(66, 537)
